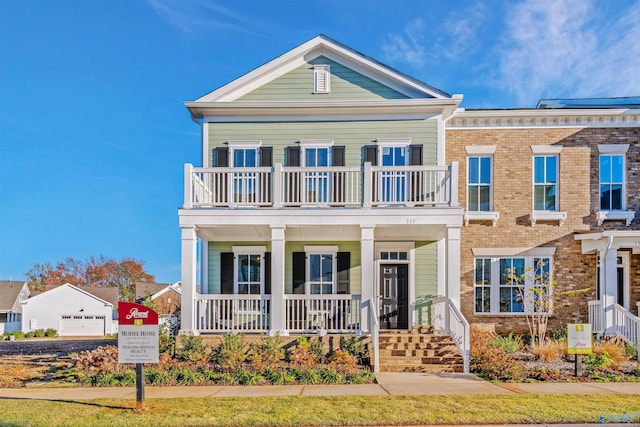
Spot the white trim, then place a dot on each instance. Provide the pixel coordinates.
(244, 144)
(536, 216)
(442, 141)
(613, 148)
(491, 168)
(249, 250)
(321, 249)
(393, 142)
(321, 46)
(481, 216)
(546, 149)
(627, 216)
(393, 247)
(538, 251)
(316, 142)
(206, 153)
(480, 149)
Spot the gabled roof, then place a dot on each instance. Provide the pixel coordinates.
(105, 294)
(325, 46)
(155, 289)
(9, 294)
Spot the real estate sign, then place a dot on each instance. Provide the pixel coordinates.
(579, 338)
(137, 334)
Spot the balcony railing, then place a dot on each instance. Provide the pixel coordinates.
(232, 313)
(321, 186)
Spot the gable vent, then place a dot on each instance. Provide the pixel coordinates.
(321, 79)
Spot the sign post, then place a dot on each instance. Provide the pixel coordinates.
(137, 341)
(579, 342)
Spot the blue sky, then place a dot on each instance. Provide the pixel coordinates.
(94, 134)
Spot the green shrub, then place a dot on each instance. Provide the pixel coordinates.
(39, 333)
(230, 354)
(305, 354)
(126, 378)
(508, 343)
(157, 376)
(561, 334)
(50, 332)
(307, 376)
(17, 335)
(356, 347)
(330, 376)
(192, 349)
(103, 379)
(342, 362)
(279, 377)
(185, 375)
(30, 334)
(244, 376)
(493, 363)
(266, 354)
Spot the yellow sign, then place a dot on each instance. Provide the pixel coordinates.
(579, 338)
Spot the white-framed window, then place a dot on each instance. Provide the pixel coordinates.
(393, 183)
(321, 79)
(246, 184)
(248, 276)
(321, 269)
(512, 284)
(479, 173)
(612, 181)
(545, 182)
(316, 154)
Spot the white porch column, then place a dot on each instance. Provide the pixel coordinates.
(453, 265)
(277, 281)
(204, 266)
(187, 316)
(368, 277)
(608, 288)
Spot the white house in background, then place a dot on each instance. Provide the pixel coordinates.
(11, 295)
(72, 310)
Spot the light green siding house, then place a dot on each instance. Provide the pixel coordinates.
(323, 201)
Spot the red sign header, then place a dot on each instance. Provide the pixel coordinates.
(135, 314)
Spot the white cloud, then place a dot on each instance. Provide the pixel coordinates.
(408, 47)
(563, 48)
(194, 16)
(461, 32)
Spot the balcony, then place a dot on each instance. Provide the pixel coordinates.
(278, 186)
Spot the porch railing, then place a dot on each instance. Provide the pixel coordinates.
(448, 318)
(627, 326)
(231, 313)
(321, 186)
(595, 316)
(322, 313)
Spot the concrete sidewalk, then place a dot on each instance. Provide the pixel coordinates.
(388, 384)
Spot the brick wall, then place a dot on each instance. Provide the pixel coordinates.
(513, 198)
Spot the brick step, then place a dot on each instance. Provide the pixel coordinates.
(422, 368)
(416, 330)
(425, 345)
(414, 338)
(419, 353)
(419, 361)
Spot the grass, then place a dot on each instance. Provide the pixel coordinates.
(317, 411)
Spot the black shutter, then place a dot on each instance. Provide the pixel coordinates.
(267, 273)
(371, 154)
(222, 157)
(266, 156)
(338, 156)
(226, 272)
(293, 156)
(344, 266)
(415, 154)
(299, 274)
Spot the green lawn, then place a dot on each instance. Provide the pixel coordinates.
(351, 410)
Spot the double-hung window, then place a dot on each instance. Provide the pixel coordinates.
(480, 184)
(546, 178)
(479, 179)
(512, 284)
(249, 276)
(612, 184)
(611, 181)
(545, 183)
(393, 182)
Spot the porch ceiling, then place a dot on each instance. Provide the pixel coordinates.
(322, 233)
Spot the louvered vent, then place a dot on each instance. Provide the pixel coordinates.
(321, 79)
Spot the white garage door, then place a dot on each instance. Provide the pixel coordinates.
(82, 325)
